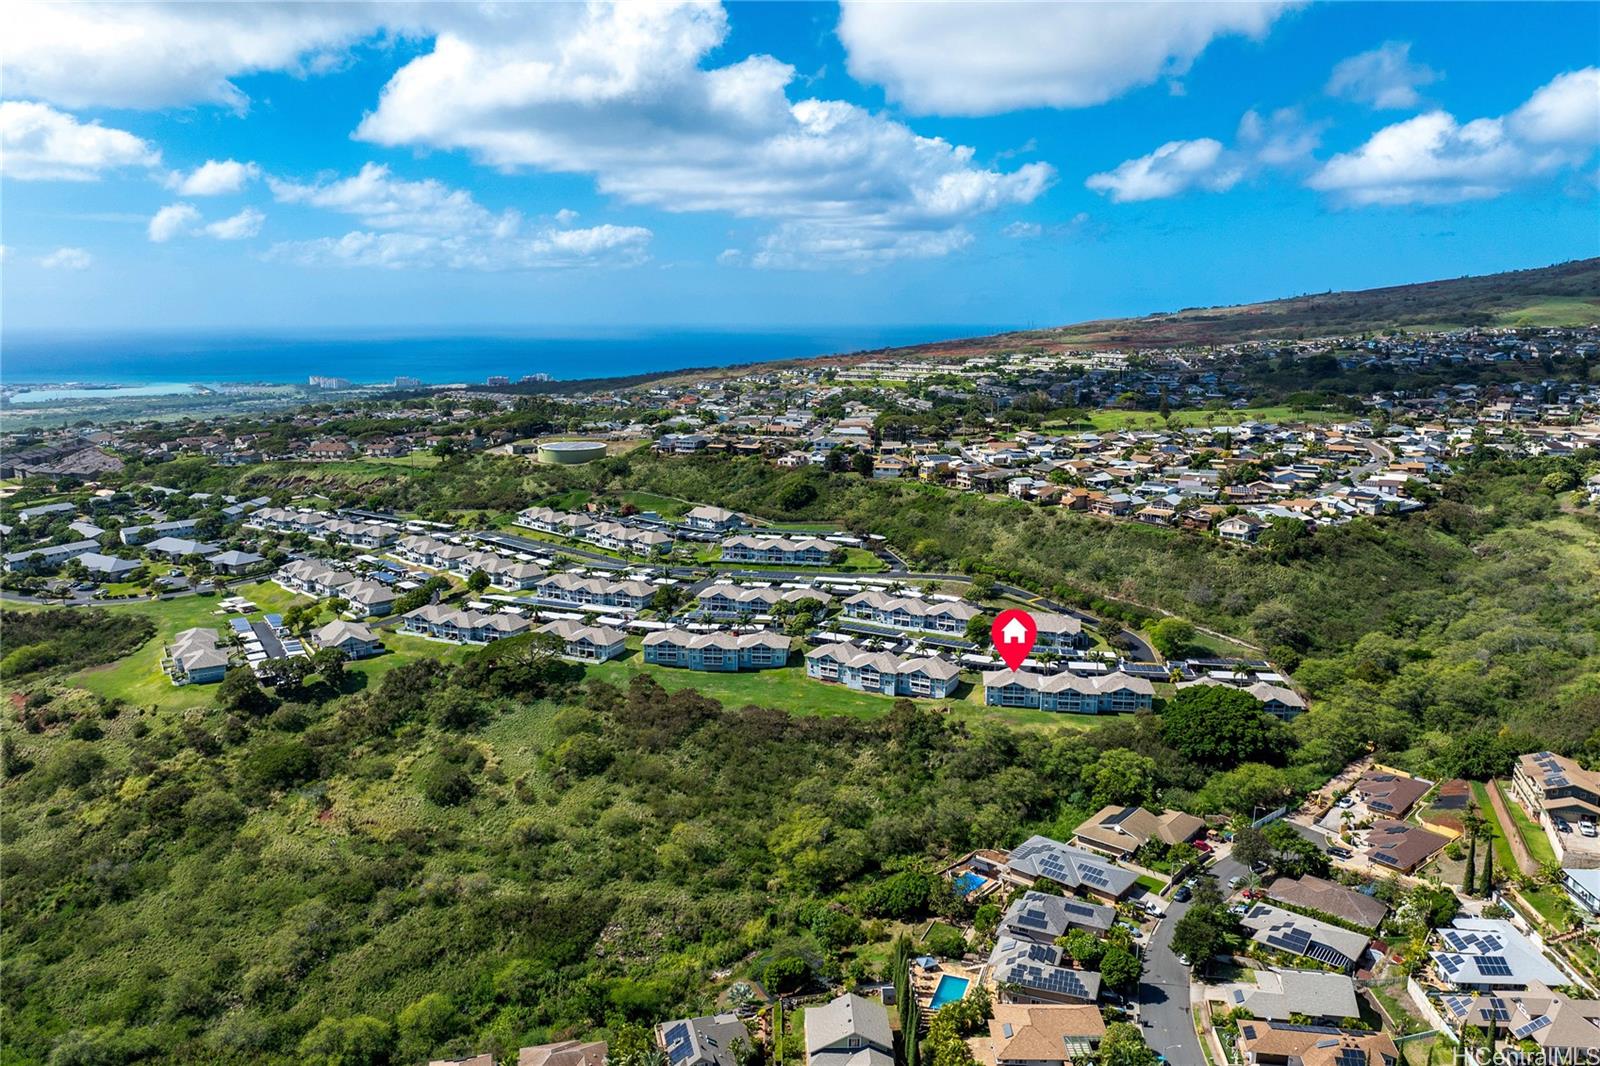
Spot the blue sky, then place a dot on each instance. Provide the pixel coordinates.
(777, 164)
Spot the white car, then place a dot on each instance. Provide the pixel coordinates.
(1587, 829)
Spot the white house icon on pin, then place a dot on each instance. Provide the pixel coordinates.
(1015, 632)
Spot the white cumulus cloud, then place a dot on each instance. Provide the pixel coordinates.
(214, 178)
(245, 224)
(39, 143)
(965, 58)
(1384, 78)
(154, 55)
(619, 92)
(173, 220)
(1175, 167)
(67, 259)
(548, 249)
(1434, 158)
(1280, 139)
(420, 224)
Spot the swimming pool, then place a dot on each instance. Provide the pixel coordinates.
(969, 882)
(949, 989)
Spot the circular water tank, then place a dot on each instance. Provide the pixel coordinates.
(572, 452)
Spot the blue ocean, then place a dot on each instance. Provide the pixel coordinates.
(144, 359)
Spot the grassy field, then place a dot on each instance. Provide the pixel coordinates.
(1533, 836)
(1115, 420)
(856, 560)
(791, 690)
(138, 679)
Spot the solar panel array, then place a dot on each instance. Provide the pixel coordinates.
(1493, 966)
(1497, 1010)
(1458, 1005)
(1048, 979)
(1529, 1028)
(679, 1046)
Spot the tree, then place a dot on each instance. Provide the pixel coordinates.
(1472, 824)
(1220, 726)
(1250, 847)
(1121, 969)
(329, 662)
(1121, 776)
(978, 627)
(289, 673)
(1292, 854)
(1083, 946)
(1171, 636)
(477, 581)
(239, 692)
(1486, 886)
(1123, 1045)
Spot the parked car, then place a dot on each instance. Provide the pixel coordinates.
(1183, 894)
(1587, 829)
(1234, 883)
(1258, 867)
(1346, 802)
(1341, 853)
(1562, 826)
(1183, 960)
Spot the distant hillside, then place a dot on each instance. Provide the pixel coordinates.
(1566, 294)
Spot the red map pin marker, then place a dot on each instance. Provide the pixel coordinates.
(1013, 634)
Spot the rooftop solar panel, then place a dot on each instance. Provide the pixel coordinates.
(1493, 966)
(1532, 1027)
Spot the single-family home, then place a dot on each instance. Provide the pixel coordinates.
(1263, 1043)
(1120, 830)
(193, 658)
(712, 519)
(1311, 938)
(355, 639)
(706, 1041)
(1040, 1035)
(849, 1030)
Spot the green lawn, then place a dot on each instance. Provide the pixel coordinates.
(1504, 859)
(790, 689)
(1533, 837)
(403, 648)
(856, 560)
(137, 679)
(564, 542)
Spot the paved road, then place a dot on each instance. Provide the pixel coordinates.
(1164, 997)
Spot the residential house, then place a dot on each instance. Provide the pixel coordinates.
(1554, 789)
(1041, 917)
(564, 1053)
(704, 1041)
(1563, 1030)
(193, 658)
(356, 640)
(1113, 693)
(1241, 528)
(462, 627)
(724, 652)
(1311, 938)
(1281, 995)
(1040, 1035)
(1040, 858)
(733, 600)
(1400, 845)
(1120, 831)
(1058, 634)
(713, 519)
(178, 547)
(779, 551)
(234, 562)
(882, 672)
(1583, 885)
(849, 1030)
(141, 533)
(573, 590)
(108, 567)
(1391, 794)
(1263, 1043)
(330, 449)
(1027, 972)
(48, 557)
(1482, 954)
(1309, 893)
(596, 644)
(909, 612)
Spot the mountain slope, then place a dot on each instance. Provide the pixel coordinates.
(1565, 294)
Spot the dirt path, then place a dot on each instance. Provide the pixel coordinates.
(1519, 850)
